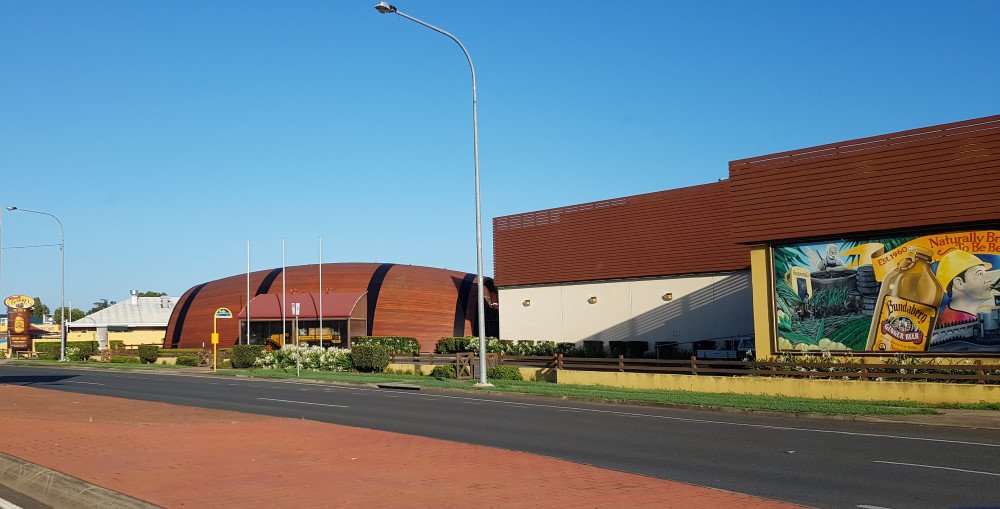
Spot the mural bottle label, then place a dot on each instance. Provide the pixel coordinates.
(908, 302)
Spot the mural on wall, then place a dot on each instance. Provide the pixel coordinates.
(933, 293)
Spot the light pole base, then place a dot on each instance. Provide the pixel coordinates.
(487, 384)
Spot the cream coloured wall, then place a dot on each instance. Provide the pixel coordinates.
(134, 337)
(701, 307)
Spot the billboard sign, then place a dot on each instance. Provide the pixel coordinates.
(19, 302)
(931, 293)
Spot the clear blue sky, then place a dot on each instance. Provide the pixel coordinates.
(166, 134)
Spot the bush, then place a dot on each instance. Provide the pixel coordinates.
(148, 353)
(183, 360)
(75, 350)
(396, 344)
(370, 358)
(175, 352)
(310, 357)
(444, 372)
(636, 349)
(456, 345)
(82, 351)
(565, 348)
(617, 348)
(243, 356)
(125, 359)
(504, 373)
(594, 349)
(116, 344)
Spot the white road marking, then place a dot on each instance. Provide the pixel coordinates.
(937, 467)
(303, 402)
(634, 414)
(688, 419)
(871, 507)
(87, 383)
(7, 505)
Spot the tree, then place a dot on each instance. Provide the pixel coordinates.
(71, 314)
(99, 305)
(152, 294)
(39, 310)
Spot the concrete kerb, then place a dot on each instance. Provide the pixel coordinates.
(57, 489)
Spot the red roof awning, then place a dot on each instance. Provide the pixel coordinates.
(335, 305)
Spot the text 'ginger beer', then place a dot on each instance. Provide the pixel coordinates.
(907, 305)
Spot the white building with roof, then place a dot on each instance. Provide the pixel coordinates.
(134, 321)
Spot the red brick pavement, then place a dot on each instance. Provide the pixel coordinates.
(177, 456)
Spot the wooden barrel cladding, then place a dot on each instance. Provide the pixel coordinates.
(403, 300)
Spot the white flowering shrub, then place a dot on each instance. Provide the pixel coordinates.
(311, 357)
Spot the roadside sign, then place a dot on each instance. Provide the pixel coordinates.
(19, 302)
(223, 313)
(295, 309)
(215, 338)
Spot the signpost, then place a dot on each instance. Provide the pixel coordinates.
(220, 313)
(19, 321)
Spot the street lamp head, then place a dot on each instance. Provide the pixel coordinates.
(11, 208)
(385, 8)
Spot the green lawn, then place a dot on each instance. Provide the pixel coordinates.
(579, 392)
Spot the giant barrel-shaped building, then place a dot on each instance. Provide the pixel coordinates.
(388, 300)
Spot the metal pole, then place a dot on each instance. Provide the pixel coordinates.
(62, 282)
(385, 8)
(62, 290)
(283, 334)
(1, 251)
(320, 313)
(248, 292)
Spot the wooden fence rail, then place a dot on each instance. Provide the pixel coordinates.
(860, 370)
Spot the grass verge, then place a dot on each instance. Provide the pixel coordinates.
(622, 395)
(580, 392)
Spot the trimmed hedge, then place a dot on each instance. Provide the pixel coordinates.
(125, 359)
(176, 352)
(444, 372)
(243, 356)
(504, 373)
(53, 347)
(148, 353)
(454, 345)
(507, 346)
(594, 349)
(187, 360)
(370, 358)
(396, 344)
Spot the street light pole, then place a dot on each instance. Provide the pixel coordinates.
(386, 8)
(62, 284)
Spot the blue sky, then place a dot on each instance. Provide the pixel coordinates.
(165, 135)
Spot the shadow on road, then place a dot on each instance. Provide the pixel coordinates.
(33, 379)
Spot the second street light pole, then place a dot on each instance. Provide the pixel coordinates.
(62, 284)
(386, 8)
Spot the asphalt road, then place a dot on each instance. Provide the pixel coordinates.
(820, 463)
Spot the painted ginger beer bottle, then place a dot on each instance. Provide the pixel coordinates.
(907, 305)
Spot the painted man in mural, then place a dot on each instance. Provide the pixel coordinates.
(963, 276)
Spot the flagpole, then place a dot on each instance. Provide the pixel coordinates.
(248, 292)
(283, 334)
(321, 292)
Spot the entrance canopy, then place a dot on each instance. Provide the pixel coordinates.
(335, 305)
